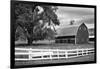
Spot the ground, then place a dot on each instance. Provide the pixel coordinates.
(56, 46)
(52, 45)
(69, 60)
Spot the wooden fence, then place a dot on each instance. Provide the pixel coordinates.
(44, 54)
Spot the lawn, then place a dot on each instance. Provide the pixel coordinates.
(54, 61)
(55, 46)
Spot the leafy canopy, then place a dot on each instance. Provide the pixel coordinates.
(33, 23)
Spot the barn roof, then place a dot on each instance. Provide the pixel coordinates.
(68, 31)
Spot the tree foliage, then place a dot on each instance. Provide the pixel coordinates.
(34, 25)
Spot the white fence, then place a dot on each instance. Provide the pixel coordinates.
(44, 54)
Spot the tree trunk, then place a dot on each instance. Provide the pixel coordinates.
(30, 41)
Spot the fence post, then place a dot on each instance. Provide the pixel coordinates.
(77, 52)
(57, 53)
(82, 52)
(30, 52)
(50, 54)
(66, 53)
(42, 55)
(87, 52)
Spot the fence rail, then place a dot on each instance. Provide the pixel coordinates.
(43, 54)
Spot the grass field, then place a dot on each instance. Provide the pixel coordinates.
(69, 60)
(55, 46)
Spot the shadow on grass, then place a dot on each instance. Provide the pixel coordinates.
(35, 44)
(53, 44)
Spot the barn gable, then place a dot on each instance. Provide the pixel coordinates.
(82, 34)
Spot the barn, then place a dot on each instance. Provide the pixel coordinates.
(77, 34)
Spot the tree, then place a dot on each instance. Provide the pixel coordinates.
(28, 18)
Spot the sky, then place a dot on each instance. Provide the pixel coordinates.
(79, 14)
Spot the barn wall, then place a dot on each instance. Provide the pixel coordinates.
(65, 40)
